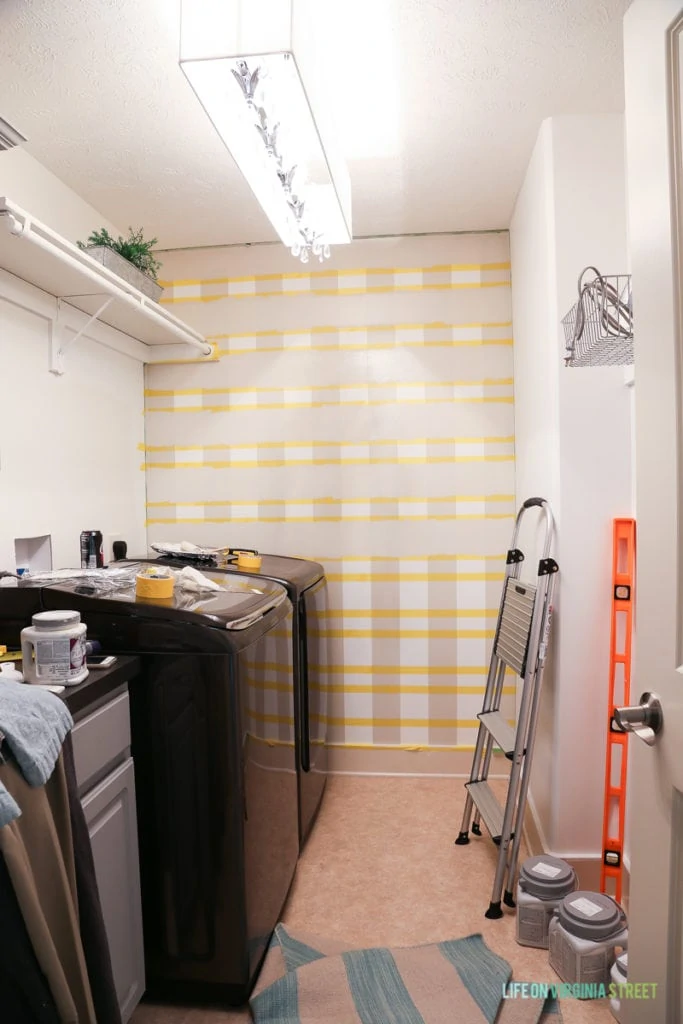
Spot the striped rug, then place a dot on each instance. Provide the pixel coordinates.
(306, 980)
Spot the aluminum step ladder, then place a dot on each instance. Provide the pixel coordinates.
(521, 643)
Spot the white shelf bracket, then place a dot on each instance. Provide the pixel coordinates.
(59, 343)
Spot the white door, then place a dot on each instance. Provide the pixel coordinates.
(653, 47)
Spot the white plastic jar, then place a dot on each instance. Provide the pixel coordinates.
(53, 648)
(586, 930)
(543, 883)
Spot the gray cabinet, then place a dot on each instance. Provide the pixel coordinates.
(104, 769)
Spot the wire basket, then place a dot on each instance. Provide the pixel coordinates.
(598, 329)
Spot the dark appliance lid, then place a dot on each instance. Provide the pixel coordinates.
(297, 574)
(239, 603)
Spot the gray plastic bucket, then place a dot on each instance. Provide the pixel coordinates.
(584, 934)
(543, 882)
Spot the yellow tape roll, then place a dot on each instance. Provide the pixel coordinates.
(148, 585)
(246, 561)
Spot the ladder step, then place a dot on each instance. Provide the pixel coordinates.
(487, 805)
(517, 610)
(503, 733)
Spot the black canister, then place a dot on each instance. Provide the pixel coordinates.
(92, 553)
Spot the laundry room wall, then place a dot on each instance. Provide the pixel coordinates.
(69, 445)
(574, 444)
(360, 414)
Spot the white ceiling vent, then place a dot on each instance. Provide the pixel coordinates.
(9, 136)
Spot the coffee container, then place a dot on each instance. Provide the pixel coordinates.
(92, 553)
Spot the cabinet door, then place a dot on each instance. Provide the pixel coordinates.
(110, 814)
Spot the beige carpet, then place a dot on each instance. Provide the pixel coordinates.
(381, 869)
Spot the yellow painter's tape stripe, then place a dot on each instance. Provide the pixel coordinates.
(455, 498)
(427, 723)
(406, 670)
(406, 613)
(376, 346)
(508, 439)
(385, 289)
(413, 748)
(402, 633)
(331, 292)
(385, 670)
(223, 520)
(484, 382)
(279, 463)
(370, 328)
(318, 274)
(270, 406)
(379, 688)
(412, 577)
(399, 689)
(498, 557)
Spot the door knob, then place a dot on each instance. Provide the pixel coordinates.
(643, 720)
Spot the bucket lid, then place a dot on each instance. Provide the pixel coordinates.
(56, 619)
(547, 878)
(591, 915)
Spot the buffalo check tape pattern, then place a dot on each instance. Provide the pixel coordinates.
(341, 283)
(366, 423)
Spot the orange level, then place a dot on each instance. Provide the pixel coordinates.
(621, 633)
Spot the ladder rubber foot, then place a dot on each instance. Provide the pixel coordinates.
(463, 839)
(508, 899)
(476, 829)
(494, 912)
(496, 840)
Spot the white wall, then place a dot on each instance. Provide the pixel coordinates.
(537, 418)
(69, 446)
(35, 189)
(573, 442)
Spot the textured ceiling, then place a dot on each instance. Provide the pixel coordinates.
(438, 104)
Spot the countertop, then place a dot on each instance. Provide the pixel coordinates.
(102, 685)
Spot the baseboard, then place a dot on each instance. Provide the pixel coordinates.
(587, 866)
(343, 760)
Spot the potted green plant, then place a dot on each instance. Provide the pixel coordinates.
(130, 258)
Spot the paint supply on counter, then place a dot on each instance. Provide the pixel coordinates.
(8, 673)
(53, 648)
(155, 583)
(248, 560)
(586, 930)
(119, 550)
(543, 883)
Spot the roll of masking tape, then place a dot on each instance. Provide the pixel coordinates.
(152, 583)
(246, 560)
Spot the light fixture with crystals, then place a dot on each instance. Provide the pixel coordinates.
(247, 63)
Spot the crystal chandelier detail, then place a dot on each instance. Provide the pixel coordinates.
(288, 178)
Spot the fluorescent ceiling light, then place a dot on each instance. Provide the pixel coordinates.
(9, 136)
(248, 62)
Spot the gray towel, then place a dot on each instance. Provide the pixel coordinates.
(33, 723)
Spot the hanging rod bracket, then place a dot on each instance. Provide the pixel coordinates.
(60, 343)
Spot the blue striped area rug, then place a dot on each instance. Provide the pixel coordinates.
(312, 981)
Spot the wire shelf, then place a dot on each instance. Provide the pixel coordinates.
(598, 329)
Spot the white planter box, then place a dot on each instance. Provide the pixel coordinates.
(113, 261)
